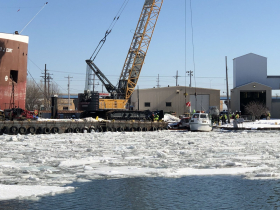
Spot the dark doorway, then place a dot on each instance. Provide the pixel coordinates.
(249, 96)
(14, 75)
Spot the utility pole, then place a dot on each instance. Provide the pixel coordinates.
(48, 80)
(45, 86)
(190, 73)
(68, 91)
(227, 92)
(158, 86)
(176, 77)
(138, 96)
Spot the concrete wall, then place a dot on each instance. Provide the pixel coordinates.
(254, 86)
(157, 97)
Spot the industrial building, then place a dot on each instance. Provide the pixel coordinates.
(13, 70)
(63, 103)
(175, 99)
(251, 83)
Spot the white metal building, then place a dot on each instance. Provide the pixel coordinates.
(253, 68)
(251, 83)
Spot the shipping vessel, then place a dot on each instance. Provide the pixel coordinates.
(13, 69)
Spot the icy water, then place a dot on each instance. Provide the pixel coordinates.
(190, 192)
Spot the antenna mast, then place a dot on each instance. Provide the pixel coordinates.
(33, 18)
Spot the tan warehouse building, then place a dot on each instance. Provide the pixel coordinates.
(174, 99)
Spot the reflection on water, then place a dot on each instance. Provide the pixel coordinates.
(192, 192)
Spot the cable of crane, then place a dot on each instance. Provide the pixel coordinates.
(192, 42)
(33, 17)
(108, 31)
(120, 13)
(116, 18)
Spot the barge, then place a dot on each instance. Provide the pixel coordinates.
(76, 126)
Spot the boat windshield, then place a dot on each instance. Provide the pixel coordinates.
(195, 116)
(203, 116)
(184, 120)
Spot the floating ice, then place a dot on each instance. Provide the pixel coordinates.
(55, 160)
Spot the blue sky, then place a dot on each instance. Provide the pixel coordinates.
(65, 33)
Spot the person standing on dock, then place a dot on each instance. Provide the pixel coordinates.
(236, 115)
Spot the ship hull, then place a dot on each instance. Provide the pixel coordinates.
(13, 65)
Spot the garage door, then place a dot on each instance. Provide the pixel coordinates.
(200, 102)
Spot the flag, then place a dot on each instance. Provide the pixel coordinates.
(188, 104)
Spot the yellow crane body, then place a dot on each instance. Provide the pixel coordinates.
(112, 103)
(136, 53)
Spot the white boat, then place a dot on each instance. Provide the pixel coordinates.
(200, 121)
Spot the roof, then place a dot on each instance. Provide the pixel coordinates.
(252, 83)
(180, 87)
(249, 54)
(66, 96)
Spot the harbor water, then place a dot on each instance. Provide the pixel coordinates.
(189, 192)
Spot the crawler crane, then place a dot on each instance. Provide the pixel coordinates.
(114, 106)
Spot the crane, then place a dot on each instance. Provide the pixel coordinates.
(121, 93)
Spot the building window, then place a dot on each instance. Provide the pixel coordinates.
(168, 104)
(65, 108)
(147, 104)
(14, 75)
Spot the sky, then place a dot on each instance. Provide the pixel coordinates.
(66, 32)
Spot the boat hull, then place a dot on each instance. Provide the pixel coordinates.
(200, 127)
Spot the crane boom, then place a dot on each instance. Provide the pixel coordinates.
(134, 61)
(139, 47)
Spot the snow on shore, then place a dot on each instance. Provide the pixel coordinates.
(273, 123)
(88, 119)
(170, 118)
(36, 165)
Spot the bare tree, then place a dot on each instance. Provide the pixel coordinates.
(34, 95)
(256, 109)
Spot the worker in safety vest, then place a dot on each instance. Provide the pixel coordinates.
(224, 118)
(268, 116)
(156, 117)
(237, 115)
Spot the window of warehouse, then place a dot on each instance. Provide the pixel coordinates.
(147, 104)
(168, 104)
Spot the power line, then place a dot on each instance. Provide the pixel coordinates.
(35, 64)
(59, 85)
(111, 75)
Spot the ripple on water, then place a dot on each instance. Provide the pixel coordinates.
(192, 192)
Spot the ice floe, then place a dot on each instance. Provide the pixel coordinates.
(36, 165)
